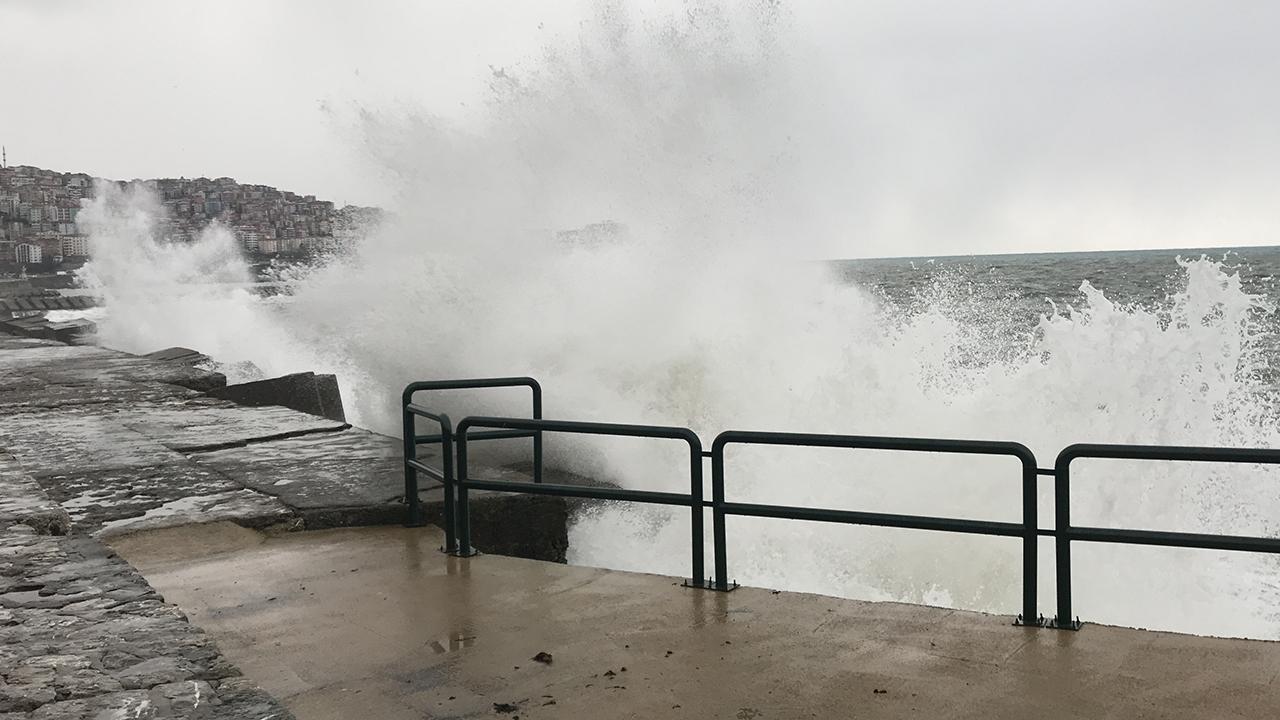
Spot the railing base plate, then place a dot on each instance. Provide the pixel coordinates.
(1040, 621)
(708, 585)
(1068, 625)
(457, 553)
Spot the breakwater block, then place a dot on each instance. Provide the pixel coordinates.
(186, 356)
(305, 392)
(69, 332)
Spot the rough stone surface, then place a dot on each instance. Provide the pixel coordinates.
(129, 499)
(21, 501)
(121, 456)
(322, 470)
(86, 439)
(59, 364)
(27, 393)
(82, 635)
(198, 428)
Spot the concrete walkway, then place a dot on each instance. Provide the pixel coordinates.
(375, 623)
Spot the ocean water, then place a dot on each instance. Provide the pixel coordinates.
(710, 142)
(1034, 282)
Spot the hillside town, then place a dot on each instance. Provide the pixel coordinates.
(39, 209)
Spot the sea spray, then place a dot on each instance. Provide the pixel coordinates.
(707, 313)
(163, 292)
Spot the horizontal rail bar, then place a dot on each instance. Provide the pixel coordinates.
(421, 411)
(483, 435)
(602, 493)
(876, 442)
(849, 517)
(470, 384)
(416, 465)
(474, 383)
(1167, 452)
(1239, 543)
(589, 428)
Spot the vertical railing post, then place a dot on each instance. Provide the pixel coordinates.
(1030, 541)
(463, 514)
(537, 434)
(450, 503)
(718, 516)
(413, 504)
(1062, 531)
(698, 538)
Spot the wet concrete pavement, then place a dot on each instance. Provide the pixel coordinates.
(376, 623)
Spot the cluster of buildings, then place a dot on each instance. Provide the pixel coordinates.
(38, 210)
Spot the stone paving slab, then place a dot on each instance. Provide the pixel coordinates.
(353, 467)
(28, 393)
(118, 500)
(86, 439)
(60, 364)
(214, 425)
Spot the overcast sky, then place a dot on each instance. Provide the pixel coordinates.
(971, 126)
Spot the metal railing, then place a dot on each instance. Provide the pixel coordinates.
(1027, 529)
(457, 488)
(693, 499)
(1065, 532)
(411, 440)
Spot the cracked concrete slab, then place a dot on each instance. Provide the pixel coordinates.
(59, 364)
(349, 468)
(27, 393)
(118, 500)
(86, 439)
(207, 426)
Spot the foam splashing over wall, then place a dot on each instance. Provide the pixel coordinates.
(704, 313)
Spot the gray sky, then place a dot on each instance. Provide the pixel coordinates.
(945, 126)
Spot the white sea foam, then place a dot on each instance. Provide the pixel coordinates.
(704, 314)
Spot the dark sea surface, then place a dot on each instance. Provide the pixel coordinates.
(1031, 284)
